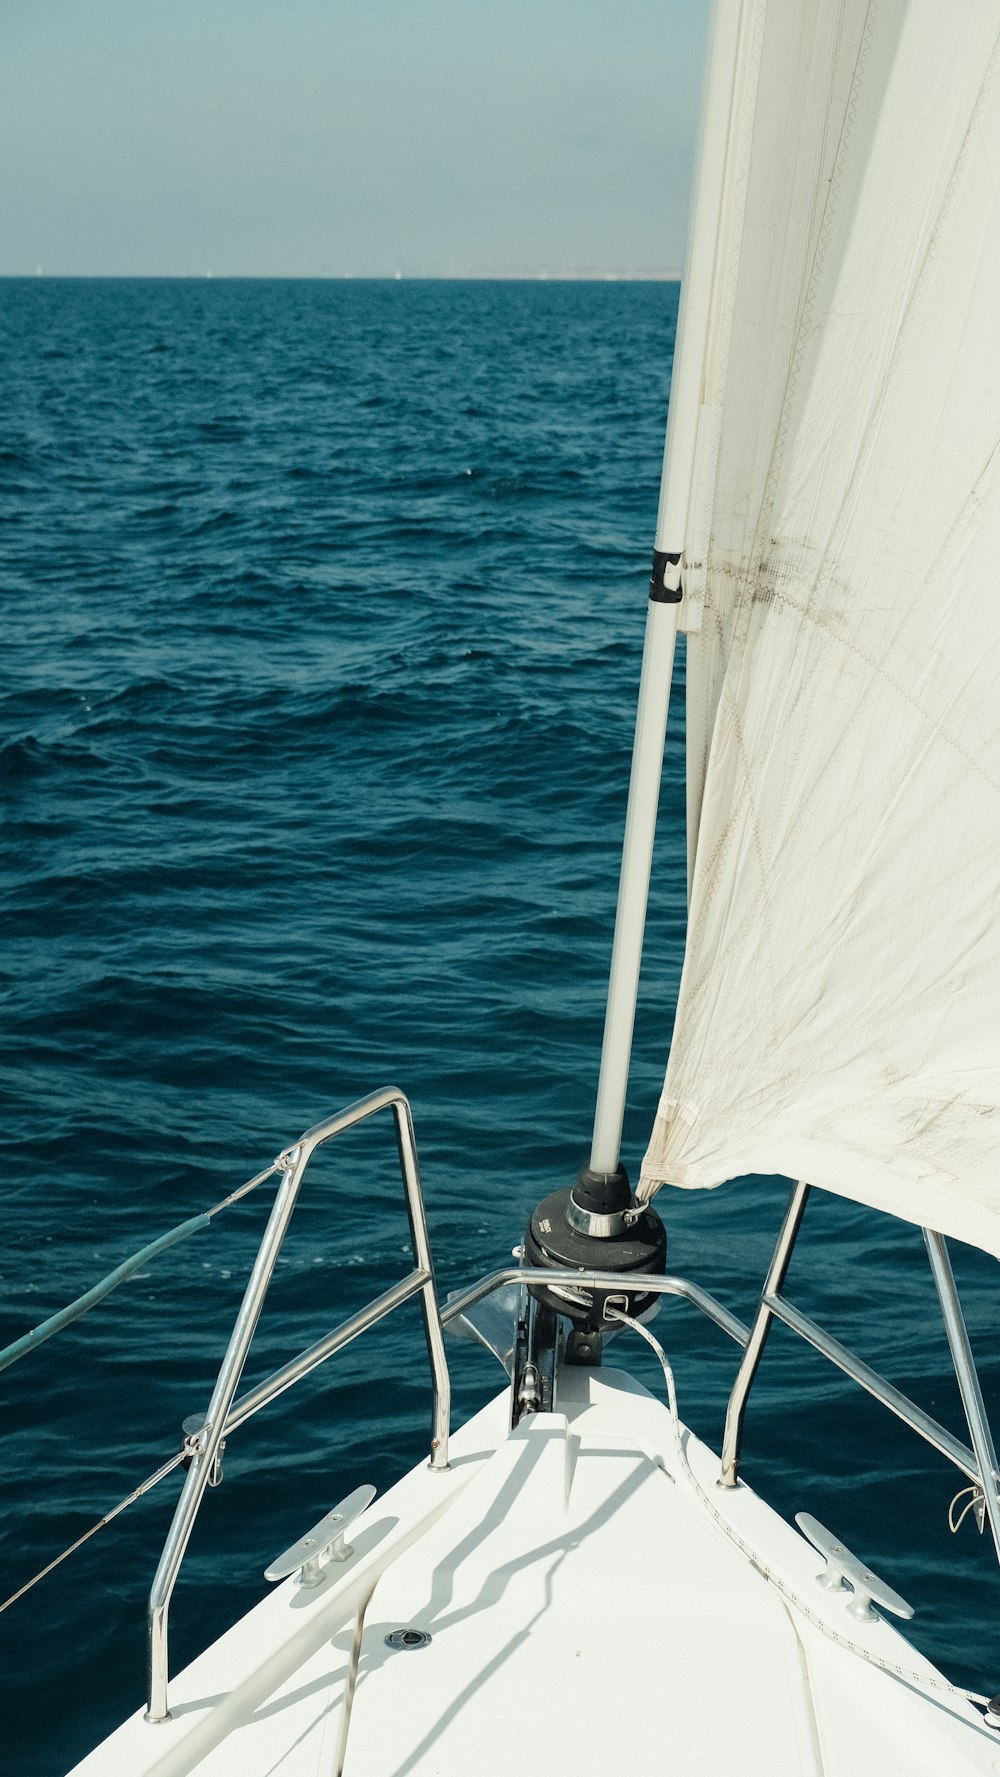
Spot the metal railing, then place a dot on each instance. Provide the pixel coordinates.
(630, 1281)
(205, 1435)
(225, 1413)
(979, 1463)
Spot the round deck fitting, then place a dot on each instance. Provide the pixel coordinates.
(407, 1641)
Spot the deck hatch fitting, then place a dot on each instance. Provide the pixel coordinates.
(407, 1641)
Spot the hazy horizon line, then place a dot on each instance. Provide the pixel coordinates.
(589, 276)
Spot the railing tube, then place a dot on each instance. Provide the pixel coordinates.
(967, 1375)
(599, 1280)
(222, 1417)
(212, 1434)
(777, 1269)
(876, 1385)
(263, 1393)
(441, 1411)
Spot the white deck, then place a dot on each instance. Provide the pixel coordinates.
(585, 1614)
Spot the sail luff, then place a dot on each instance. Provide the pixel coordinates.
(839, 1015)
(728, 30)
(661, 622)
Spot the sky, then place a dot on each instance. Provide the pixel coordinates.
(319, 138)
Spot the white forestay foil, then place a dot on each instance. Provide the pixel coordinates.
(839, 1010)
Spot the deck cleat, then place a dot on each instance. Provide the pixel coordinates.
(844, 1569)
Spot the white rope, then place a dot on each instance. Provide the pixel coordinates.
(919, 1680)
(975, 1502)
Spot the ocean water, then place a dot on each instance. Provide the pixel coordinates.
(322, 616)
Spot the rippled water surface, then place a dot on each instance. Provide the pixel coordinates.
(323, 607)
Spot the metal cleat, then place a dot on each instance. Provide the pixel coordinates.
(843, 1569)
(324, 1544)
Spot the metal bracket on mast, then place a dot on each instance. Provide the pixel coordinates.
(665, 581)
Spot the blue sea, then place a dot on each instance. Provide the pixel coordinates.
(322, 616)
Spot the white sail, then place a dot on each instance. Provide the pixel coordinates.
(839, 1013)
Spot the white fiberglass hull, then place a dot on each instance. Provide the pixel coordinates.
(586, 1611)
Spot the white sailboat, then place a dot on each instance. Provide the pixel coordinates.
(573, 1580)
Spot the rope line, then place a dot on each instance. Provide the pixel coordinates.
(64, 1317)
(920, 1681)
(975, 1501)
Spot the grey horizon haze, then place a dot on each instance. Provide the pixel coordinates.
(337, 139)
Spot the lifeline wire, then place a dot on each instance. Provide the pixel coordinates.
(919, 1680)
(130, 1498)
(88, 1300)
